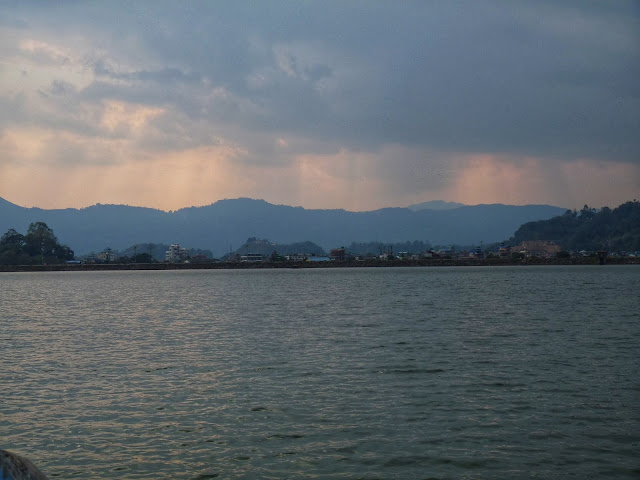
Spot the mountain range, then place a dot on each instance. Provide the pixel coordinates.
(225, 225)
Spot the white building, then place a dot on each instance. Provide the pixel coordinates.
(107, 256)
(176, 254)
(251, 257)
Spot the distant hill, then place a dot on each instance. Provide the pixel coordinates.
(590, 229)
(225, 225)
(266, 248)
(435, 205)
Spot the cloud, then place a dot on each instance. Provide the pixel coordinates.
(39, 52)
(376, 103)
(162, 181)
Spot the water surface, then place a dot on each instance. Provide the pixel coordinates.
(506, 372)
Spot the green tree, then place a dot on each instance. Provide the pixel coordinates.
(12, 248)
(143, 258)
(587, 213)
(617, 229)
(38, 245)
(12, 238)
(40, 240)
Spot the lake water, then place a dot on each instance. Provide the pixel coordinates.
(392, 373)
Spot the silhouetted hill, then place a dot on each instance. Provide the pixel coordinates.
(266, 248)
(589, 229)
(225, 225)
(435, 205)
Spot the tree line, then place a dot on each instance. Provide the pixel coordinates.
(38, 246)
(589, 229)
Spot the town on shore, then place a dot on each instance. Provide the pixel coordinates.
(589, 236)
(180, 258)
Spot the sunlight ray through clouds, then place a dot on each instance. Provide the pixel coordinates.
(326, 105)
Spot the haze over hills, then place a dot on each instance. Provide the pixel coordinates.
(226, 224)
(435, 205)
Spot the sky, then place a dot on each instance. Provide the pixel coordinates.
(357, 104)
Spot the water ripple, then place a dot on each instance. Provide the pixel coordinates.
(358, 373)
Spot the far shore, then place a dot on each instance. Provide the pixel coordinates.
(434, 262)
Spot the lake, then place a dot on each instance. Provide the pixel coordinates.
(391, 373)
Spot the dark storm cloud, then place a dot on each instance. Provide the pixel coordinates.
(546, 79)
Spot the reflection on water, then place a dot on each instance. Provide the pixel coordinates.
(342, 373)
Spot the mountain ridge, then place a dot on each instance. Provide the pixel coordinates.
(436, 205)
(228, 222)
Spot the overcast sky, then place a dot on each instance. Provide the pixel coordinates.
(324, 104)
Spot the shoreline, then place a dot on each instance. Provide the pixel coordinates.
(465, 262)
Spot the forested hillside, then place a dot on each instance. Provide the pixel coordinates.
(266, 248)
(589, 229)
(222, 226)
